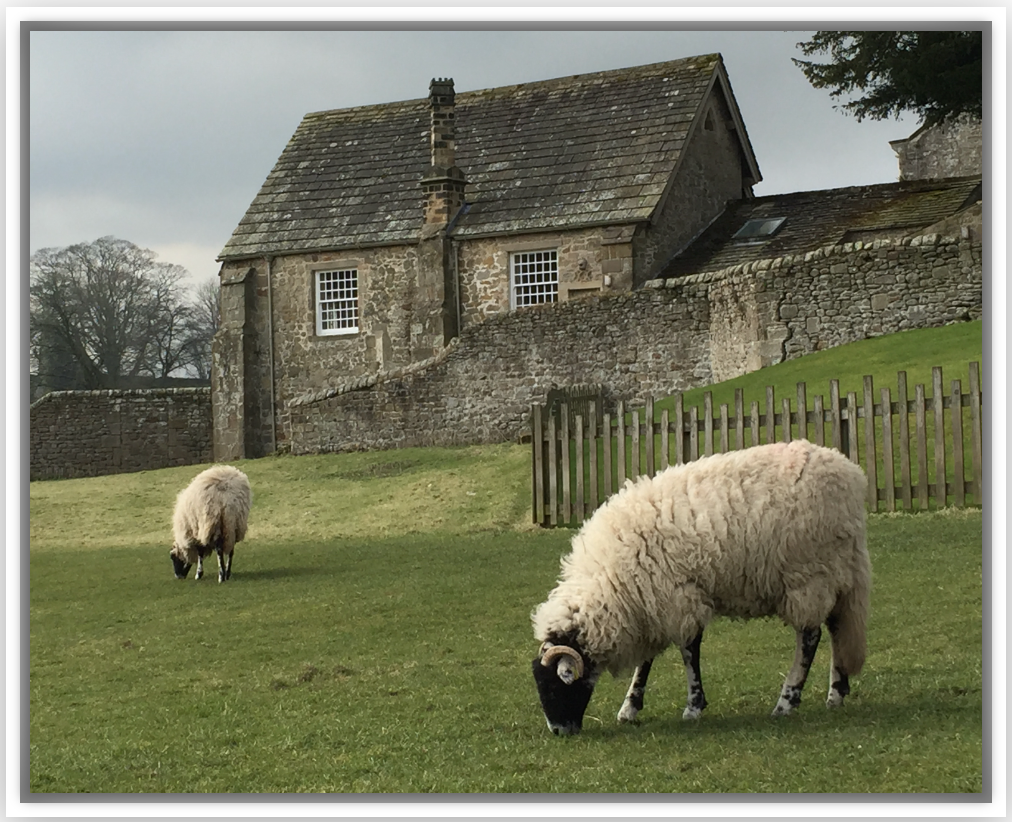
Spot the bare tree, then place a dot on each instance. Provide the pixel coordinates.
(110, 308)
(204, 322)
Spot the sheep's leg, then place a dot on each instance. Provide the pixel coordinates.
(804, 654)
(633, 703)
(697, 699)
(200, 566)
(224, 566)
(839, 683)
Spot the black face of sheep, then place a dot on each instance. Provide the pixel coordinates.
(565, 683)
(179, 566)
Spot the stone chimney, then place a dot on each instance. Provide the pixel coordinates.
(443, 185)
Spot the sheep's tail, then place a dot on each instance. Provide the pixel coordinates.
(849, 619)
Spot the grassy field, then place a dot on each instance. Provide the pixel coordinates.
(375, 638)
(338, 660)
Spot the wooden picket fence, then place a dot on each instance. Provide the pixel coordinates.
(916, 451)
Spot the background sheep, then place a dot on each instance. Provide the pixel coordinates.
(211, 514)
(771, 530)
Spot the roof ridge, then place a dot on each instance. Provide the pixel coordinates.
(909, 185)
(630, 72)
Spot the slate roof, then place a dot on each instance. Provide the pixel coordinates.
(591, 149)
(820, 218)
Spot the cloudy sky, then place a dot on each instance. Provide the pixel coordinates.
(164, 137)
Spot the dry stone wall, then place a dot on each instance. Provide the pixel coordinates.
(669, 336)
(92, 433)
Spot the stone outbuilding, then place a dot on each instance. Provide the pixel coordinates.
(385, 231)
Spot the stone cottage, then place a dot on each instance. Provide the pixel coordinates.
(385, 231)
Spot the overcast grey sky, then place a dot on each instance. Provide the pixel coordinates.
(163, 138)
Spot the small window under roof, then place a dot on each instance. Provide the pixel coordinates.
(759, 229)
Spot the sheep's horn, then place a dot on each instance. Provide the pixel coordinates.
(563, 650)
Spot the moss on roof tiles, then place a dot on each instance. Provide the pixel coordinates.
(819, 218)
(598, 146)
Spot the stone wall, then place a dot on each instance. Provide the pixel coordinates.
(669, 336)
(709, 177)
(947, 150)
(92, 433)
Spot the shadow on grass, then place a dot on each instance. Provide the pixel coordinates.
(255, 574)
(950, 705)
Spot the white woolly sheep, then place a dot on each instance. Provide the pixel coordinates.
(211, 514)
(773, 530)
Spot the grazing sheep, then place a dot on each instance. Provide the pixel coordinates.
(773, 530)
(211, 514)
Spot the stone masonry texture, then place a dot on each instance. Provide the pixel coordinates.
(672, 335)
(92, 433)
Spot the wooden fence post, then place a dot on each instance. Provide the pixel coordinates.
(651, 465)
(938, 412)
(708, 424)
(835, 416)
(820, 420)
(680, 442)
(921, 436)
(771, 416)
(802, 412)
(871, 467)
(609, 483)
(888, 469)
(538, 443)
(567, 508)
(852, 450)
(592, 453)
(665, 439)
(620, 445)
(739, 418)
(904, 409)
(553, 473)
(958, 472)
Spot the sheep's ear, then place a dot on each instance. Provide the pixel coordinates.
(567, 670)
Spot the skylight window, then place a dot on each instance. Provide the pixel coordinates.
(759, 229)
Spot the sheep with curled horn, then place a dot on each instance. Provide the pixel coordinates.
(774, 530)
(211, 514)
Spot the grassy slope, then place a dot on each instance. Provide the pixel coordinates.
(952, 347)
(375, 638)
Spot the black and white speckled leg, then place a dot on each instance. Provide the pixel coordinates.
(697, 699)
(633, 703)
(200, 566)
(222, 564)
(804, 654)
(839, 683)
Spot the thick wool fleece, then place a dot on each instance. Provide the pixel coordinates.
(770, 530)
(214, 506)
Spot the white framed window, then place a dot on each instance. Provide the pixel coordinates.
(337, 301)
(534, 277)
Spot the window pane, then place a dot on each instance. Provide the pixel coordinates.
(535, 277)
(337, 301)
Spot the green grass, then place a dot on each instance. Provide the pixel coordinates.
(951, 347)
(375, 637)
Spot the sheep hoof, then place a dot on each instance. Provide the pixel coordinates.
(628, 713)
(783, 708)
(835, 700)
(692, 712)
